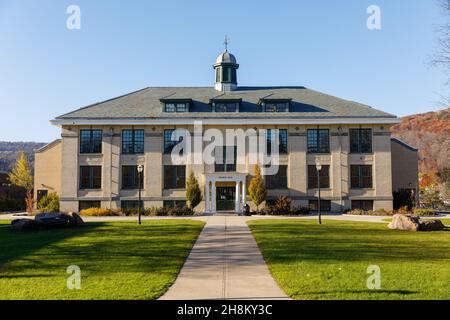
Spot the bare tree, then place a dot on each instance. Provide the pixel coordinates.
(442, 57)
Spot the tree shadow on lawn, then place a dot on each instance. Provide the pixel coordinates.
(101, 247)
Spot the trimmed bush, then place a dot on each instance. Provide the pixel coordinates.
(422, 212)
(100, 212)
(283, 207)
(49, 203)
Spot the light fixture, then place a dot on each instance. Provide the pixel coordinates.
(140, 168)
(318, 166)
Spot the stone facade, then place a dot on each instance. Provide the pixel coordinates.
(339, 159)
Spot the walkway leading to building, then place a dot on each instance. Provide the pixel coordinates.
(225, 263)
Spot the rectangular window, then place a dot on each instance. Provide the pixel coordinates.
(174, 177)
(325, 205)
(361, 176)
(90, 177)
(174, 203)
(87, 204)
(169, 144)
(90, 141)
(130, 177)
(276, 107)
(366, 205)
(131, 204)
(324, 177)
(225, 159)
(225, 106)
(133, 141)
(282, 140)
(361, 140)
(176, 107)
(279, 180)
(318, 141)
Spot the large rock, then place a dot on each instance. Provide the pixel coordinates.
(75, 219)
(404, 222)
(52, 220)
(431, 225)
(23, 224)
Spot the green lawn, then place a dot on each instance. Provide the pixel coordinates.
(118, 260)
(330, 261)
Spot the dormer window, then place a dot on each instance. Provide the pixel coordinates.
(275, 105)
(225, 104)
(175, 107)
(226, 107)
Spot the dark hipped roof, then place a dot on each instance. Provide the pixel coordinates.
(146, 103)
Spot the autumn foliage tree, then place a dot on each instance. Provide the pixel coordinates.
(22, 176)
(257, 190)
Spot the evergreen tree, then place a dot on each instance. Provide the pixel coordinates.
(21, 176)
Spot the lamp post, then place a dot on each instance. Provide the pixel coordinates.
(319, 168)
(140, 168)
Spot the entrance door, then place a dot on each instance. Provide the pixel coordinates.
(225, 198)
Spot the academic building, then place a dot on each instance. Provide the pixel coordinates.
(95, 162)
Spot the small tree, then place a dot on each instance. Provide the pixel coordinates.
(257, 190)
(193, 192)
(21, 176)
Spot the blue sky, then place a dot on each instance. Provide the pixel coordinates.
(47, 70)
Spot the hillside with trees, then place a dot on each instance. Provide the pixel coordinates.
(9, 153)
(430, 133)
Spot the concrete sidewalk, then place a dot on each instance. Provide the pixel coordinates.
(225, 263)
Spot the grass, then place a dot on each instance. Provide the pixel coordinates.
(118, 260)
(330, 261)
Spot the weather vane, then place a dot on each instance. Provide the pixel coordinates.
(227, 41)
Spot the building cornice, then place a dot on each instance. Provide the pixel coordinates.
(226, 121)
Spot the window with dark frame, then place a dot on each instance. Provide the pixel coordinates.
(276, 106)
(282, 139)
(325, 205)
(366, 205)
(131, 204)
(278, 180)
(225, 107)
(324, 177)
(91, 141)
(174, 177)
(318, 140)
(90, 177)
(361, 140)
(361, 176)
(132, 141)
(175, 107)
(174, 203)
(130, 178)
(87, 204)
(169, 144)
(225, 162)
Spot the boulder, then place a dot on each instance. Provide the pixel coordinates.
(23, 224)
(75, 219)
(405, 222)
(52, 220)
(431, 225)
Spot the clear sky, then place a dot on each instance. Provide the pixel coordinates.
(47, 70)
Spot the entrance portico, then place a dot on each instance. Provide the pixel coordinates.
(238, 180)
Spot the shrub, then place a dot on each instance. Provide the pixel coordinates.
(11, 205)
(49, 203)
(100, 212)
(300, 211)
(283, 206)
(425, 212)
(181, 211)
(193, 192)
